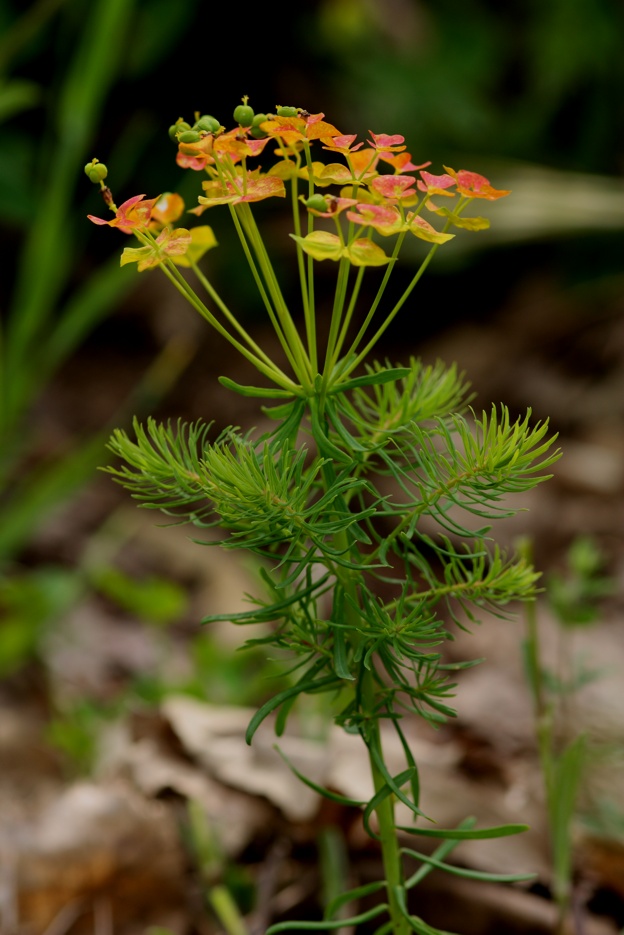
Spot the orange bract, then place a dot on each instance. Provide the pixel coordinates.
(222, 193)
(169, 243)
(473, 185)
(134, 214)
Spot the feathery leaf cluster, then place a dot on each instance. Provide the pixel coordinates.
(329, 531)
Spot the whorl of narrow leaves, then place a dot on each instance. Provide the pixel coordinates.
(323, 522)
(473, 577)
(163, 467)
(262, 493)
(427, 392)
(452, 468)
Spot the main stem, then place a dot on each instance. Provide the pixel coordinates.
(544, 731)
(390, 852)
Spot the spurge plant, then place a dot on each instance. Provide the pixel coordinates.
(373, 474)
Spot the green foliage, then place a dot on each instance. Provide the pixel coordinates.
(453, 468)
(284, 503)
(58, 69)
(501, 79)
(35, 340)
(154, 599)
(29, 604)
(575, 596)
(565, 753)
(324, 525)
(75, 731)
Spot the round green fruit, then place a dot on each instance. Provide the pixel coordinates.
(96, 171)
(244, 115)
(189, 136)
(317, 203)
(256, 131)
(207, 123)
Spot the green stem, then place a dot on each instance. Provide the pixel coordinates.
(336, 318)
(311, 328)
(543, 715)
(347, 319)
(226, 910)
(390, 850)
(261, 289)
(272, 372)
(216, 298)
(309, 304)
(377, 299)
(365, 689)
(307, 293)
(397, 308)
(303, 367)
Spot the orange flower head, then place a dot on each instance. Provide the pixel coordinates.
(254, 189)
(386, 143)
(393, 187)
(134, 214)
(341, 144)
(436, 184)
(237, 143)
(402, 162)
(363, 164)
(473, 185)
(169, 243)
(383, 218)
(168, 208)
(196, 155)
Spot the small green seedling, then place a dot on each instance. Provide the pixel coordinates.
(574, 597)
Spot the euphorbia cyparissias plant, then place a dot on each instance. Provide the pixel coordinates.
(306, 496)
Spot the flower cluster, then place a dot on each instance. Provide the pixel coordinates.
(349, 199)
(380, 190)
(152, 222)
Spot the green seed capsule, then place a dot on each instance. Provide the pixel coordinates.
(256, 131)
(317, 203)
(207, 123)
(178, 127)
(244, 115)
(96, 171)
(286, 111)
(189, 136)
